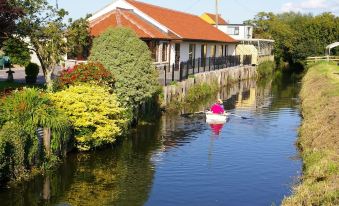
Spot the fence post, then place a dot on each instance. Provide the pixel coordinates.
(173, 66)
(209, 64)
(205, 59)
(180, 72)
(165, 74)
(198, 64)
(188, 67)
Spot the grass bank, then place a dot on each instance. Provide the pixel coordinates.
(319, 138)
(197, 95)
(265, 69)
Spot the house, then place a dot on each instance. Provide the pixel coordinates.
(172, 36)
(236, 31)
(260, 49)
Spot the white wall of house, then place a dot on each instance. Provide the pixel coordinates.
(237, 31)
(184, 50)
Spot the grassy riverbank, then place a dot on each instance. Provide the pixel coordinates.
(318, 140)
(265, 69)
(197, 95)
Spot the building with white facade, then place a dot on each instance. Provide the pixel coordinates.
(172, 36)
(237, 31)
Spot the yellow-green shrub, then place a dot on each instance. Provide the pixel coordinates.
(96, 115)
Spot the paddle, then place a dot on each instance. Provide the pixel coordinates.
(242, 117)
(204, 112)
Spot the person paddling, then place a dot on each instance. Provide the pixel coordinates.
(218, 107)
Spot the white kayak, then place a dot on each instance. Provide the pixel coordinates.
(212, 118)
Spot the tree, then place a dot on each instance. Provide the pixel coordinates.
(129, 59)
(297, 36)
(78, 38)
(43, 25)
(9, 13)
(17, 50)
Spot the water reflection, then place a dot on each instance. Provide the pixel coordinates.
(216, 128)
(109, 177)
(182, 160)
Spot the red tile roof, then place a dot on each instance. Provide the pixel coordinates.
(187, 26)
(127, 18)
(220, 19)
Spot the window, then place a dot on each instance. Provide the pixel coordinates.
(154, 47)
(191, 52)
(249, 32)
(203, 51)
(151, 46)
(157, 52)
(233, 30)
(203, 54)
(213, 51)
(164, 52)
(221, 51)
(226, 50)
(236, 30)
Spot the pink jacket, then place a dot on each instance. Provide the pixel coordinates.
(217, 109)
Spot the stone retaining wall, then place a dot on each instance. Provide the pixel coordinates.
(222, 76)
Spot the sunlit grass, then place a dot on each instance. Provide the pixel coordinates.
(318, 139)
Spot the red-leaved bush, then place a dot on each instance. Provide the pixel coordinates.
(92, 72)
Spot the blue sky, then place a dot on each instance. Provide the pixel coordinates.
(236, 11)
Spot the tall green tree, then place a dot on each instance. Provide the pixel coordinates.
(297, 35)
(78, 38)
(43, 26)
(129, 59)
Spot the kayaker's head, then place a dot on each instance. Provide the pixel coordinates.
(219, 101)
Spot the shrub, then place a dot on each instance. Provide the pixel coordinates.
(12, 152)
(129, 58)
(265, 69)
(95, 113)
(21, 114)
(200, 91)
(32, 71)
(91, 72)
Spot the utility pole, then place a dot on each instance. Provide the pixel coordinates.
(56, 4)
(216, 13)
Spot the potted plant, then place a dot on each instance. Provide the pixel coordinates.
(32, 71)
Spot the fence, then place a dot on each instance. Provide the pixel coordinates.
(322, 58)
(181, 71)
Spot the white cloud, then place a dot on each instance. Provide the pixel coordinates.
(312, 5)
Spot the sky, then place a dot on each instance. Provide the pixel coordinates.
(235, 11)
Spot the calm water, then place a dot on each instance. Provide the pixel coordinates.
(180, 160)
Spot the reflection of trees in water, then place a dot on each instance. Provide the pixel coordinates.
(119, 176)
(229, 93)
(281, 86)
(123, 175)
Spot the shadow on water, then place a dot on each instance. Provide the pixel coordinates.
(164, 163)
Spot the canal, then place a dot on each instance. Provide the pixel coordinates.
(181, 160)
